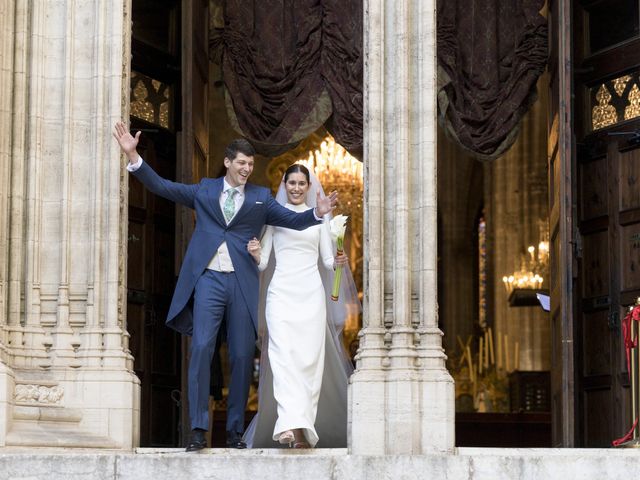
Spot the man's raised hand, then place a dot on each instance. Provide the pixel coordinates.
(128, 143)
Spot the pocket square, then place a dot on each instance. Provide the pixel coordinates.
(259, 203)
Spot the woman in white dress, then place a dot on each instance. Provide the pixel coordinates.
(301, 343)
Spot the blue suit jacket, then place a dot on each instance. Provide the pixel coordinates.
(259, 208)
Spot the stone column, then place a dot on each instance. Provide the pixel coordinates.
(66, 374)
(401, 395)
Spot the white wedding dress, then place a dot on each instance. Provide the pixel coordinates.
(301, 346)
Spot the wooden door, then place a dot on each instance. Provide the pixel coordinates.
(151, 248)
(194, 134)
(155, 348)
(607, 90)
(609, 212)
(561, 225)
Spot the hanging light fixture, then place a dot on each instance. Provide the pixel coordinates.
(533, 271)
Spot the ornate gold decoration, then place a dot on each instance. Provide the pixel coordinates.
(480, 367)
(633, 109)
(619, 84)
(150, 99)
(603, 114)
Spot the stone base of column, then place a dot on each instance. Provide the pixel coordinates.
(402, 413)
(366, 432)
(7, 385)
(437, 412)
(66, 408)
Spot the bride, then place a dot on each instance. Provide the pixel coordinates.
(304, 373)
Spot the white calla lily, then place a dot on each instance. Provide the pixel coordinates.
(338, 226)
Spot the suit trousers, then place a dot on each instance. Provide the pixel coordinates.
(217, 296)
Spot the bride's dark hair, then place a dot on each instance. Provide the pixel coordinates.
(297, 168)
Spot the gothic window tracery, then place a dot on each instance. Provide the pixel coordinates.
(615, 101)
(151, 100)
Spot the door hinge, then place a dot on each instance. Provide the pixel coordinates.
(577, 244)
(614, 321)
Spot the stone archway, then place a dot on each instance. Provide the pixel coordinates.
(63, 241)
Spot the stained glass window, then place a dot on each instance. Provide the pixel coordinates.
(482, 272)
(615, 101)
(151, 100)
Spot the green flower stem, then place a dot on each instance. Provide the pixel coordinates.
(335, 292)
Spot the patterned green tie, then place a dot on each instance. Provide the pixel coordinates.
(230, 205)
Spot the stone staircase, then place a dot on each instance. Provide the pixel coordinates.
(333, 464)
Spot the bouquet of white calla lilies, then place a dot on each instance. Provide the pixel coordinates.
(338, 226)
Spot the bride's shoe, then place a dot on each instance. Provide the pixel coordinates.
(286, 438)
(300, 439)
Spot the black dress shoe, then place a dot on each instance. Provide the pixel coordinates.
(234, 440)
(198, 440)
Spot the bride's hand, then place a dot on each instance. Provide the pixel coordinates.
(253, 247)
(341, 259)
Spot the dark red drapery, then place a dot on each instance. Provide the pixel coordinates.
(291, 66)
(490, 55)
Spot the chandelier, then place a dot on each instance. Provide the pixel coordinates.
(337, 170)
(534, 266)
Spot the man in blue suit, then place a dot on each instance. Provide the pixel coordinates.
(218, 276)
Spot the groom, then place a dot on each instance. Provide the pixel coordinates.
(218, 273)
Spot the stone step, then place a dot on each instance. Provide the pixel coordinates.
(333, 464)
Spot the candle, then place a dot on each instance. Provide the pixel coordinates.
(499, 352)
(493, 361)
(480, 362)
(506, 352)
(517, 357)
(486, 349)
(462, 357)
(470, 363)
(475, 390)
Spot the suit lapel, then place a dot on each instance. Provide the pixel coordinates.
(250, 196)
(215, 190)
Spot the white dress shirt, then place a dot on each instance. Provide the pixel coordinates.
(221, 260)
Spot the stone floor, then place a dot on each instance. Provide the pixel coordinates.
(223, 464)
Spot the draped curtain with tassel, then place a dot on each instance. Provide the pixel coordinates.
(490, 55)
(290, 67)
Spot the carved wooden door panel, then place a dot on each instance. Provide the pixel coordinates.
(607, 118)
(609, 203)
(155, 348)
(155, 83)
